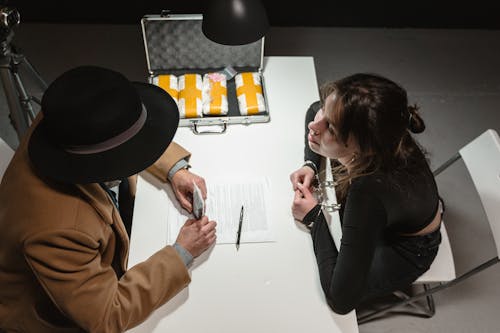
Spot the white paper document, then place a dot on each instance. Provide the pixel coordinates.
(223, 205)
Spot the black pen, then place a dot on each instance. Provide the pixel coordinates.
(238, 235)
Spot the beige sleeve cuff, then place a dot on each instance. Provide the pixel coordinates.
(167, 160)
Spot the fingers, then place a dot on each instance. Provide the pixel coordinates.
(305, 190)
(208, 227)
(185, 203)
(209, 232)
(307, 181)
(197, 235)
(213, 239)
(203, 224)
(296, 178)
(197, 224)
(303, 176)
(190, 222)
(297, 197)
(200, 182)
(203, 221)
(211, 235)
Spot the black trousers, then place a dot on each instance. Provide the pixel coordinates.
(400, 260)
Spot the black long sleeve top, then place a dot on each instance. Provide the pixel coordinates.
(375, 205)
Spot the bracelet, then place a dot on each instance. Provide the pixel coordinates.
(311, 164)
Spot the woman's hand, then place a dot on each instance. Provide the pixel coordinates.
(304, 176)
(303, 202)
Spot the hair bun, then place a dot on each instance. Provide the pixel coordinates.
(415, 122)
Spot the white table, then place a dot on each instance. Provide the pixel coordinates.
(264, 287)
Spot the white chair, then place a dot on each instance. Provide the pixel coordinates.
(482, 160)
(6, 154)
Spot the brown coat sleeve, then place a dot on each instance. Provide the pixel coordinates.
(68, 265)
(172, 155)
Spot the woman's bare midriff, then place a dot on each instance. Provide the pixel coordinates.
(431, 227)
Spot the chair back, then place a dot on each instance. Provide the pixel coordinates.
(6, 154)
(482, 159)
(443, 267)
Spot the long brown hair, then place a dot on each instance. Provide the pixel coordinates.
(375, 111)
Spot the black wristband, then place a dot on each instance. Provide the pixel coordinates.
(311, 165)
(311, 216)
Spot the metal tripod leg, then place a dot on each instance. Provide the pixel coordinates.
(29, 67)
(18, 117)
(21, 110)
(24, 99)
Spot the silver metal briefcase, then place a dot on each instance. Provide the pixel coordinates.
(175, 44)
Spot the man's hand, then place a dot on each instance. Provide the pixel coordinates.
(304, 176)
(197, 235)
(182, 184)
(303, 202)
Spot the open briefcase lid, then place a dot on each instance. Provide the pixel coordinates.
(175, 44)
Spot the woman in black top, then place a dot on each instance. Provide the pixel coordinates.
(390, 212)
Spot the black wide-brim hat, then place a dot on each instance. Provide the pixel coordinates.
(98, 126)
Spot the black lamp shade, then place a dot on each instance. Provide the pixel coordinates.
(234, 22)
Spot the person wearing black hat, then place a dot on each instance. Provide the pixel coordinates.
(64, 245)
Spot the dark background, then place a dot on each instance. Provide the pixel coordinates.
(464, 14)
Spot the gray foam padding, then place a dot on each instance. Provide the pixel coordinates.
(180, 44)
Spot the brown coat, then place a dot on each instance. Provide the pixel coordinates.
(63, 257)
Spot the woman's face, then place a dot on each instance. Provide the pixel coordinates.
(323, 137)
